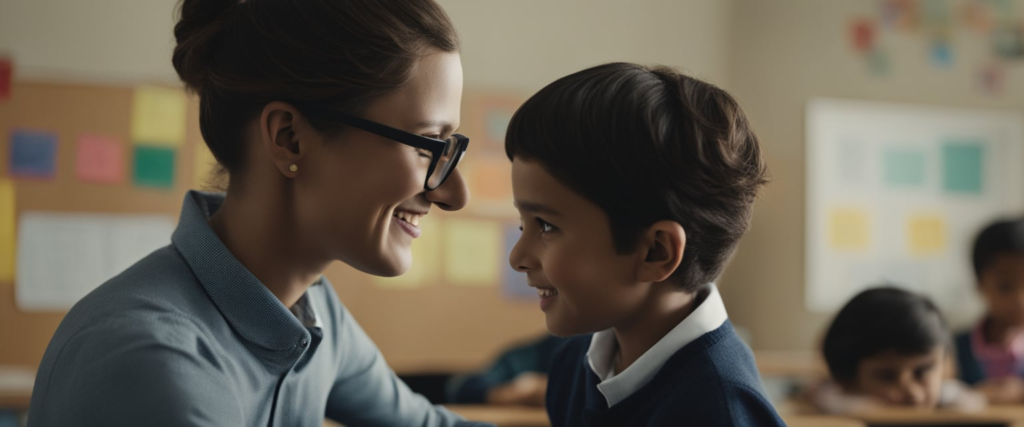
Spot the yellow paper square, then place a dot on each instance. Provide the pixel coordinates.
(204, 166)
(473, 252)
(8, 244)
(848, 230)
(426, 259)
(926, 234)
(158, 116)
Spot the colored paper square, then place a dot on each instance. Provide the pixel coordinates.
(154, 167)
(862, 35)
(941, 54)
(33, 154)
(852, 160)
(100, 159)
(962, 162)
(513, 283)
(926, 235)
(7, 231)
(473, 250)
(491, 179)
(878, 62)
(497, 123)
(158, 116)
(848, 230)
(6, 76)
(426, 259)
(904, 168)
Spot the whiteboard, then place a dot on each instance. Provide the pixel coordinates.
(897, 193)
(64, 256)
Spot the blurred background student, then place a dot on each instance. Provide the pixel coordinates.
(518, 377)
(890, 347)
(990, 354)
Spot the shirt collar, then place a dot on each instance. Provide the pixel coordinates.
(251, 309)
(709, 315)
(305, 312)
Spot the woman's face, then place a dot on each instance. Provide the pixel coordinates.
(360, 196)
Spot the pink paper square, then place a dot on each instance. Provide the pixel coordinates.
(100, 159)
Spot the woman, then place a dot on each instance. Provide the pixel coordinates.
(334, 120)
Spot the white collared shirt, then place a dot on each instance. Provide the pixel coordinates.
(604, 349)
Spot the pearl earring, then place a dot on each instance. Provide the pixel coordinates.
(293, 168)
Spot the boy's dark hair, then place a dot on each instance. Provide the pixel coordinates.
(1004, 237)
(879, 320)
(649, 144)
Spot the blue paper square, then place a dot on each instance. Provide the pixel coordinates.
(33, 154)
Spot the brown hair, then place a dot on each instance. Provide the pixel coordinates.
(334, 54)
(649, 144)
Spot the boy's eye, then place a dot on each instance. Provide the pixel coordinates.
(425, 153)
(545, 227)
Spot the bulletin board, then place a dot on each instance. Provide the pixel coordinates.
(896, 194)
(441, 317)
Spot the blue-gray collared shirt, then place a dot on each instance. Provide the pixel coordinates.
(189, 337)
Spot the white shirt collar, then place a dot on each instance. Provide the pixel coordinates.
(604, 348)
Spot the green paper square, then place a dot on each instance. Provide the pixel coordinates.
(904, 168)
(962, 166)
(154, 167)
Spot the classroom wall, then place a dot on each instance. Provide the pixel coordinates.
(77, 54)
(785, 53)
(511, 45)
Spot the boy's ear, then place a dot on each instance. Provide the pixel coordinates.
(280, 125)
(662, 247)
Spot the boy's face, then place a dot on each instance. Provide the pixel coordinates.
(1002, 287)
(902, 380)
(567, 252)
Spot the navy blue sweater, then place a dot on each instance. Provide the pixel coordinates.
(710, 382)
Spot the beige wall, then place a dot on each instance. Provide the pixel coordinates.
(786, 52)
(507, 45)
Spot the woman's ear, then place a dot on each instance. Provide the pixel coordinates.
(279, 131)
(662, 247)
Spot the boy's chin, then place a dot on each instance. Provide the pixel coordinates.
(562, 329)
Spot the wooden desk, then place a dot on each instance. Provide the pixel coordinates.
(16, 387)
(992, 416)
(503, 416)
(821, 421)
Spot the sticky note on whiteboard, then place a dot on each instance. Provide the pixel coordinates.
(849, 229)
(926, 234)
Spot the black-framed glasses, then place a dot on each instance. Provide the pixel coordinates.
(445, 153)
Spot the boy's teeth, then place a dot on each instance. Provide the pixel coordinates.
(544, 293)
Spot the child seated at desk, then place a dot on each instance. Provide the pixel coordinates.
(990, 355)
(889, 347)
(518, 377)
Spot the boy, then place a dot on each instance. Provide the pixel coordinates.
(991, 355)
(634, 186)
